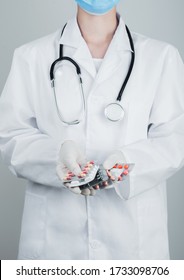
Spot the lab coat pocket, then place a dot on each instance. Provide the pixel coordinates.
(32, 237)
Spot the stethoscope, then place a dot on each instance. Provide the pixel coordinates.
(113, 111)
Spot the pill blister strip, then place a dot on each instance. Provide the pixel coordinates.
(88, 173)
(97, 177)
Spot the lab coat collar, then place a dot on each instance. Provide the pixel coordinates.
(120, 39)
(72, 37)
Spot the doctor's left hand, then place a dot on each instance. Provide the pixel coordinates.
(70, 159)
(111, 160)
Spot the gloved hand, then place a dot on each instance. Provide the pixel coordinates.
(70, 159)
(123, 191)
(113, 159)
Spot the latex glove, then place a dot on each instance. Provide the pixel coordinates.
(70, 158)
(116, 157)
(123, 190)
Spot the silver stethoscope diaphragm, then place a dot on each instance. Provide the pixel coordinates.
(114, 112)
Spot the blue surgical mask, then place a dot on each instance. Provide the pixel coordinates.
(97, 7)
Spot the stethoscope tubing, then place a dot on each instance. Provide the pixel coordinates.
(130, 67)
(78, 71)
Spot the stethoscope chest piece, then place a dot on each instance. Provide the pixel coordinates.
(114, 112)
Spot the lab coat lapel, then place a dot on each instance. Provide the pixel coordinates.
(73, 39)
(110, 64)
(83, 57)
(115, 55)
(118, 48)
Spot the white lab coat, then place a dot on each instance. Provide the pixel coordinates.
(129, 222)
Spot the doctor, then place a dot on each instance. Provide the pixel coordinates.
(128, 221)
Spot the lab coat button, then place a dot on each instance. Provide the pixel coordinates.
(94, 244)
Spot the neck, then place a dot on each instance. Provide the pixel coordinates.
(97, 29)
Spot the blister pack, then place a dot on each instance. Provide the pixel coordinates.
(96, 176)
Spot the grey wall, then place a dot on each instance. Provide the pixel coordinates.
(22, 21)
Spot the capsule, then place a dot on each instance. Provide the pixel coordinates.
(70, 174)
(86, 169)
(125, 172)
(68, 178)
(105, 184)
(82, 175)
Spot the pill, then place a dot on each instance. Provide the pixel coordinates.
(96, 187)
(82, 175)
(105, 183)
(120, 166)
(71, 174)
(90, 162)
(115, 166)
(126, 166)
(87, 169)
(125, 172)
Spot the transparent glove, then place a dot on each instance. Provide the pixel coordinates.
(123, 191)
(113, 159)
(70, 159)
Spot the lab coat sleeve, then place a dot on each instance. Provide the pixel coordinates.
(28, 152)
(162, 154)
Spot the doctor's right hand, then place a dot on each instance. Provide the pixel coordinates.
(70, 159)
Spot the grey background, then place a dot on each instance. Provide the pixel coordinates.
(22, 21)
